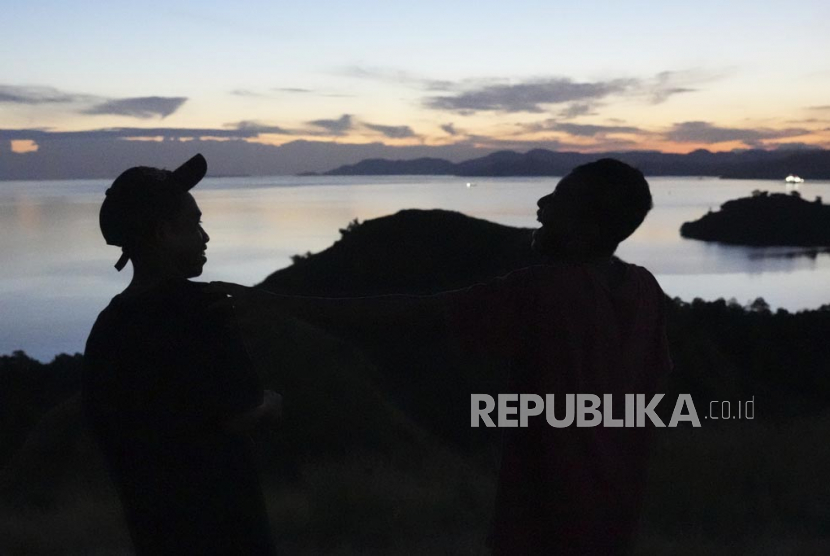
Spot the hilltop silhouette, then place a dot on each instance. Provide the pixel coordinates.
(412, 251)
(765, 220)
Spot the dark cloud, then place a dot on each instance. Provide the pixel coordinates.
(470, 96)
(819, 108)
(577, 109)
(139, 107)
(705, 132)
(581, 130)
(661, 95)
(450, 129)
(335, 127)
(665, 84)
(254, 126)
(392, 131)
(15, 94)
(531, 96)
(669, 83)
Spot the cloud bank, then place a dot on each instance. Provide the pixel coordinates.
(33, 95)
(138, 107)
(706, 132)
(334, 127)
(531, 96)
(392, 131)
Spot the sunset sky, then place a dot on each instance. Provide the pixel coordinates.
(586, 76)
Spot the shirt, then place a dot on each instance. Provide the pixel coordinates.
(164, 369)
(569, 329)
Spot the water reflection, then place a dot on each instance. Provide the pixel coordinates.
(57, 272)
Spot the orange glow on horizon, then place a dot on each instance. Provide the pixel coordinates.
(23, 146)
(157, 139)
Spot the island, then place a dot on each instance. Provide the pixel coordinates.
(765, 220)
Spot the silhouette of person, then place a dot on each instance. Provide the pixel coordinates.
(169, 390)
(584, 323)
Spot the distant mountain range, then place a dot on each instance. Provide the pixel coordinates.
(749, 164)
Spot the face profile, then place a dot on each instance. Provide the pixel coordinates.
(183, 241)
(560, 227)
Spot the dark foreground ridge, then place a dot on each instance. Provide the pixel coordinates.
(749, 164)
(376, 451)
(765, 220)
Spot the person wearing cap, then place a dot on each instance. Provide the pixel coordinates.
(583, 323)
(169, 390)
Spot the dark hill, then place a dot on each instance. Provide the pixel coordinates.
(413, 251)
(765, 220)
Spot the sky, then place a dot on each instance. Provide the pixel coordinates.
(451, 77)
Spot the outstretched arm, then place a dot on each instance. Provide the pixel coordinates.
(485, 317)
(342, 315)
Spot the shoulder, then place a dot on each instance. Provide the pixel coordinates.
(535, 279)
(101, 331)
(554, 275)
(179, 299)
(167, 305)
(648, 291)
(643, 277)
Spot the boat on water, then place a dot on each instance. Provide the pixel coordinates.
(793, 179)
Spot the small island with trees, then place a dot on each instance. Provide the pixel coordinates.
(765, 220)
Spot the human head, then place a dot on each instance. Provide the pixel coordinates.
(151, 215)
(592, 210)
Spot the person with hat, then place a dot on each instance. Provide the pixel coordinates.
(169, 390)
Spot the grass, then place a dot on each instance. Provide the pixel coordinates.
(751, 487)
(748, 487)
(366, 504)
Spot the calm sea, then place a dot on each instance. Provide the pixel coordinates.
(57, 273)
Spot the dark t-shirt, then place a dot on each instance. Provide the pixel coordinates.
(570, 329)
(164, 369)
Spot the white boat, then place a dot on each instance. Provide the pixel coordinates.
(470, 184)
(793, 179)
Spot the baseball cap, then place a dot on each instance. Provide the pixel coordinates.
(137, 198)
